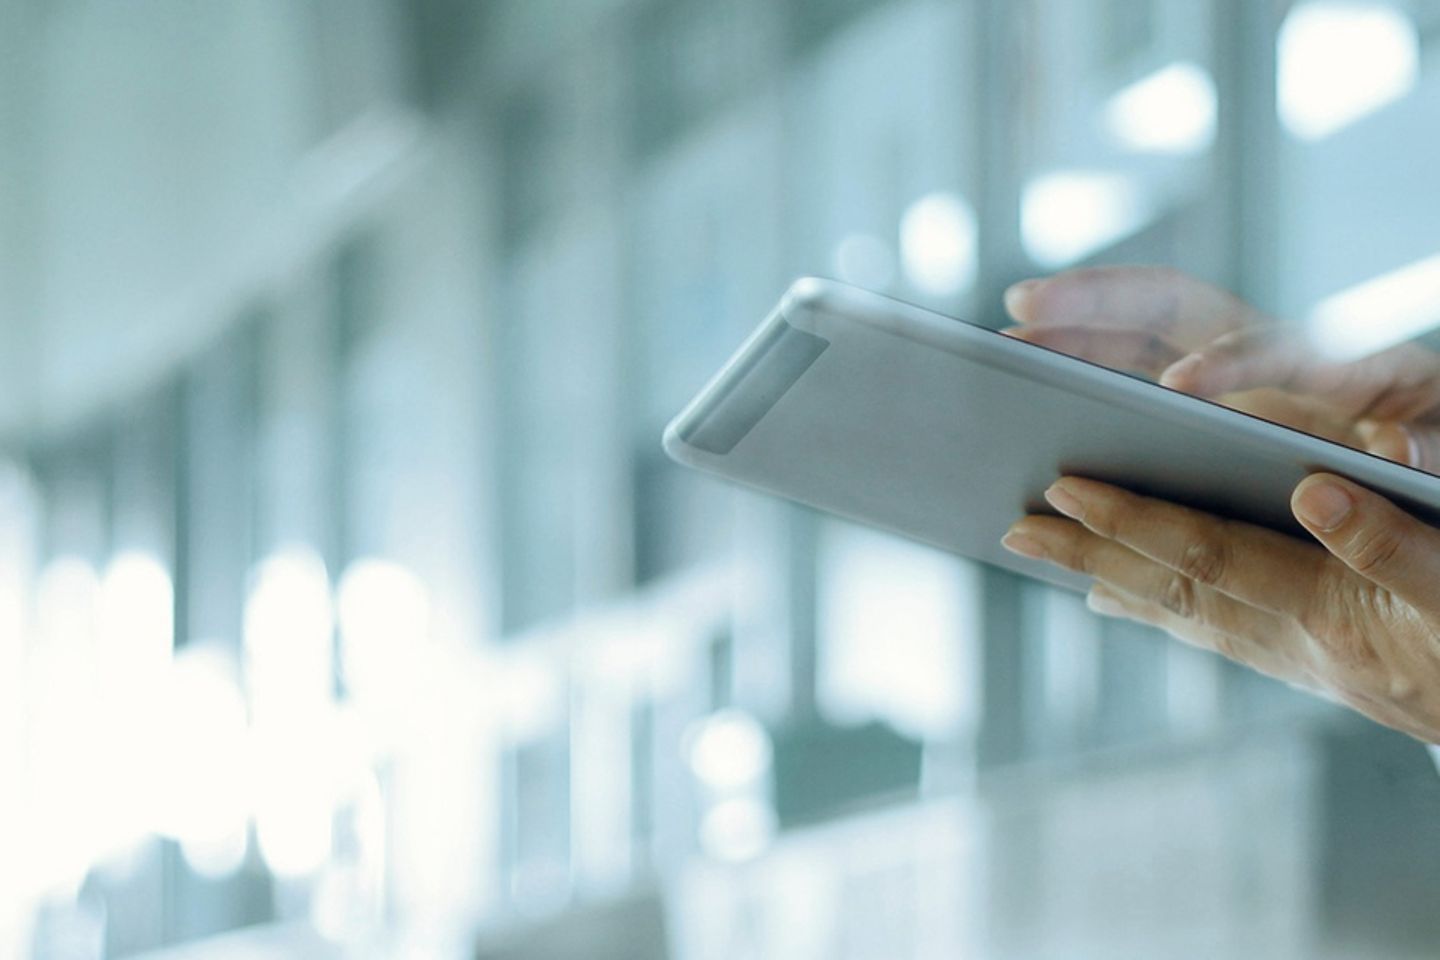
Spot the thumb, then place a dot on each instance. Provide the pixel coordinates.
(1371, 535)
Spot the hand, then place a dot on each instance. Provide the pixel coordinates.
(1198, 339)
(1354, 617)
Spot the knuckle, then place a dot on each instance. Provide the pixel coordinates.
(1372, 551)
(1103, 518)
(1155, 353)
(1121, 516)
(1345, 639)
(1402, 689)
(1333, 581)
(1204, 560)
(1070, 553)
(1352, 647)
(1230, 347)
(1178, 596)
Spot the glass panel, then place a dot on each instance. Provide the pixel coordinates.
(1121, 111)
(884, 197)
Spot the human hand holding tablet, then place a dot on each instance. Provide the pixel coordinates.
(947, 433)
(1356, 617)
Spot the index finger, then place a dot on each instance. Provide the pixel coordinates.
(1260, 567)
(1183, 310)
(1400, 384)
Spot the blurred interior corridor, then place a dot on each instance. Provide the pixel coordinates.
(348, 604)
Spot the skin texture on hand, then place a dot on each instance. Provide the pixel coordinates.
(1353, 615)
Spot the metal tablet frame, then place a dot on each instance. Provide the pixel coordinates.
(813, 312)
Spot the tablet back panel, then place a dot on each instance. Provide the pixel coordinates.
(948, 433)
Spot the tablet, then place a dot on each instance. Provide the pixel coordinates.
(946, 432)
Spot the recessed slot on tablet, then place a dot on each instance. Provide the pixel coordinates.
(752, 388)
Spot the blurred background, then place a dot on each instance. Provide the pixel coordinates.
(348, 606)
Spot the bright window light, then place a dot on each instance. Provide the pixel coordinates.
(14, 550)
(1378, 313)
(17, 511)
(937, 244)
(203, 802)
(294, 804)
(729, 751)
(137, 609)
(894, 618)
(384, 613)
(289, 663)
(864, 260)
(136, 640)
(67, 601)
(528, 696)
(69, 830)
(1172, 111)
(1340, 60)
(1068, 215)
(737, 830)
(301, 775)
(289, 670)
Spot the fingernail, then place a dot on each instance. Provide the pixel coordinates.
(1389, 440)
(1103, 602)
(1019, 295)
(1180, 372)
(1324, 505)
(1065, 501)
(1415, 456)
(1025, 546)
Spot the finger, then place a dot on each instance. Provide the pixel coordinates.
(1424, 447)
(1295, 411)
(1248, 648)
(1159, 300)
(1414, 445)
(1118, 349)
(1401, 384)
(1265, 569)
(1397, 385)
(1393, 441)
(1372, 536)
(1242, 632)
(1242, 360)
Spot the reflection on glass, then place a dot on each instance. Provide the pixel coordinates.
(1067, 215)
(1340, 60)
(938, 236)
(1171, 111)
(1379, 313)
(866, 261)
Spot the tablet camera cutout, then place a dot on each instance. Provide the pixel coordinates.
(752, 389)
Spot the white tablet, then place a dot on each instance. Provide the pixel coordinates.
(948, 433)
